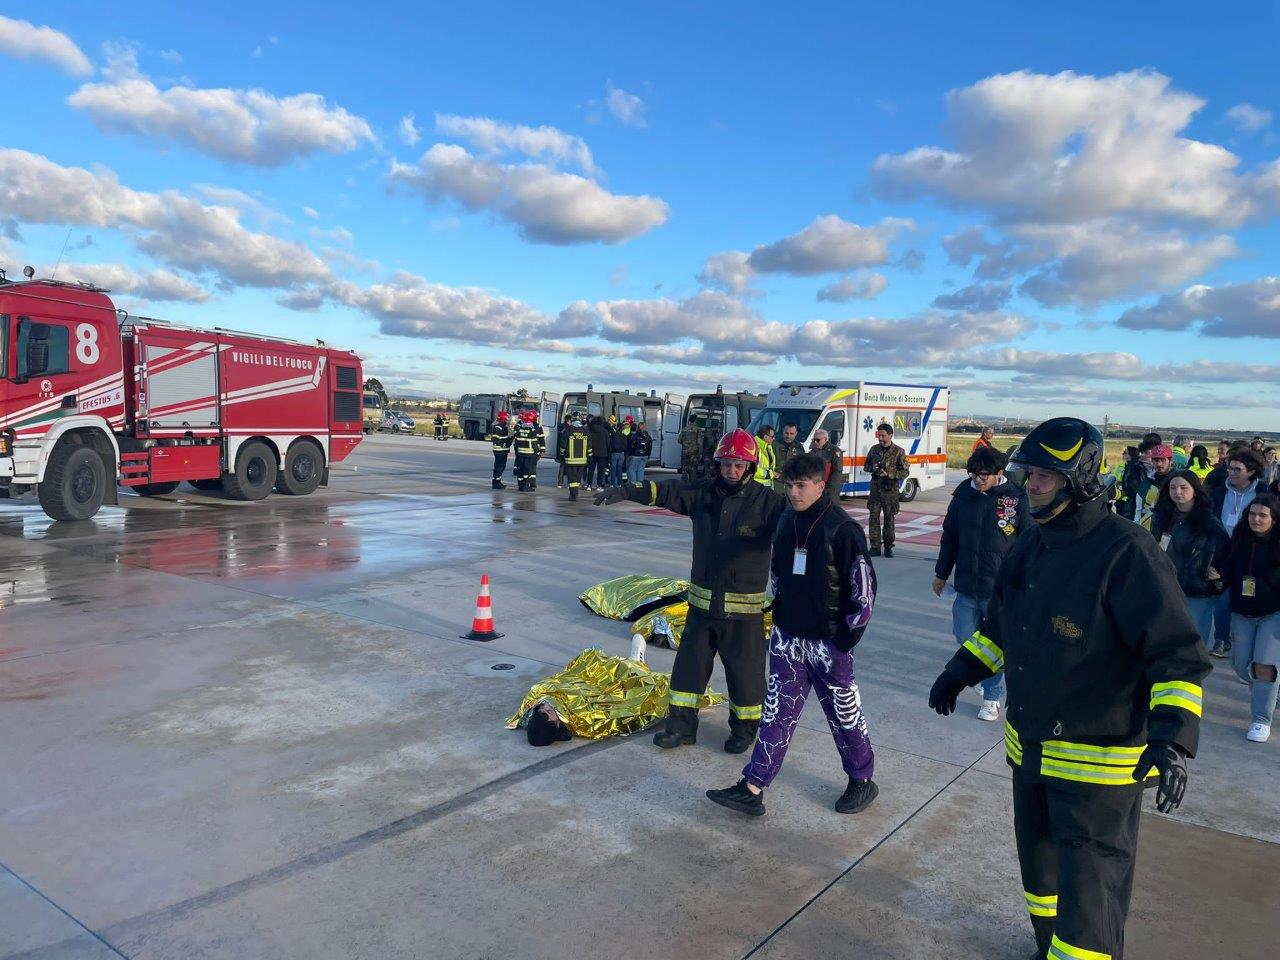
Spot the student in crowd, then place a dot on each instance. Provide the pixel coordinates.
(1252, 575)
(1128, 478)
(1198, 463)
(1243, 473)
(984, 516)
(1195, 540)
(1272, 466)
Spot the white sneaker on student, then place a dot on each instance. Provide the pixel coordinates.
(990, 710)
(1259, 733)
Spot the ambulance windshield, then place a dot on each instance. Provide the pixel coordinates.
(802, 420)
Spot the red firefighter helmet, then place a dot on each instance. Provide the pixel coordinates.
(502, 416)
(528, 416)
(738, 445)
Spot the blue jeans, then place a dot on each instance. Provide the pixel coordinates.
(635, 469)
(1222, 618)
(617, 469)
(966, 613)
(1257, 640)
(1202, 611)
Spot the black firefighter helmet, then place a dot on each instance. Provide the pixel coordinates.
(1071, 447)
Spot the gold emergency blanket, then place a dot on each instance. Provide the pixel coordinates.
(665, 625)
(632, 596)
(599, 696)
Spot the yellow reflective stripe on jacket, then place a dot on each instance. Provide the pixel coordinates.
(1178, 693)
(1061, 950)
(1012, 745)
(1091, 773)
(986, 650)
(1039, 906)
(680, 699)
(746, 713)
(745, 602)
(1111, 756)
(700, 597)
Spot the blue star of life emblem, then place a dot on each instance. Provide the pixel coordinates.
(868, 423)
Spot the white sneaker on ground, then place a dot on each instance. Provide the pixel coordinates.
(990, 710)
(638, 646)
(1259, 733)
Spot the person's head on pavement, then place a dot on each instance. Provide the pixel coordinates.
(805, 477)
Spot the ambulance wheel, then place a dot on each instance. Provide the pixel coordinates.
(156, 489)
(75, 482)
(255, 472)
(303, 467)
(212, 485)
(909, 491)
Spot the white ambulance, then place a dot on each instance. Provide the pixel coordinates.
(851, 410)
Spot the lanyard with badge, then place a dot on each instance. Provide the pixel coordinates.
(1248, 585)
(801, 556)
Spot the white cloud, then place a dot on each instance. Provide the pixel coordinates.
(337, 234)
(1070, 148)
(928, 338)
(172, 228)
(1249, 118)
(26, 41)
(547, 206)
(1249, 309)
(728, 271)
(146, 284)
(243, 126)
(409, 132)
(495, 138)
(854, 288)
(979, 296)
(829, 245)
(311, 212)
(626, 107)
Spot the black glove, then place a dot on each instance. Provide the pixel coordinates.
(1171, 761)
(612, 495)
(944, 693)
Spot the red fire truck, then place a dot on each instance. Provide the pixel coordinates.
(91, 398)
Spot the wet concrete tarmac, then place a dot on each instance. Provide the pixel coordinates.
(253, 730)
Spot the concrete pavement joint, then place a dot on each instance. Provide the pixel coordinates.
(43, 896)
(879, 843)
(345, 848)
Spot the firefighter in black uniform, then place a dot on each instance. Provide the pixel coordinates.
(529, 446)
(574, 453)
(733, 526)
(500, 436)
(1104, 666)
(441, 432)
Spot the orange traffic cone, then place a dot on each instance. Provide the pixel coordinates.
(482, 625)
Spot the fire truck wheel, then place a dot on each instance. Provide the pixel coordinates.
(909, 491)
(156, 489)
(303, 467)
(255, 472)
(74, 484)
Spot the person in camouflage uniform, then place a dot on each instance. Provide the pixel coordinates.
(887, 466)
(690, 449)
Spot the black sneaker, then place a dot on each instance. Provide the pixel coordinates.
(873, 552)
(668, 740)
(888, 550)
(739, 798)
(857, 796)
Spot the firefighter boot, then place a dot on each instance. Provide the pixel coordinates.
(682, 728)
(573, 493)
(742, 734)
(498, 484)
(1043, 927)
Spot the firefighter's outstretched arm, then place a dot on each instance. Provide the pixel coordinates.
(674, 495)
(980, 657)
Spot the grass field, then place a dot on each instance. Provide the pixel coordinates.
(959, 445)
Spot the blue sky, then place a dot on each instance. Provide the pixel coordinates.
(1057, 210)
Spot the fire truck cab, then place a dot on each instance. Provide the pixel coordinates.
(91, 398)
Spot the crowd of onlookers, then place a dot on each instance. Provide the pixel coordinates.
(618, 452)
(1217, 517)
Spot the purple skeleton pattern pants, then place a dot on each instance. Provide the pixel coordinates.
(795, 665)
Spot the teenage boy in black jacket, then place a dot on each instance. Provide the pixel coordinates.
(984, 516)
(824, 587)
